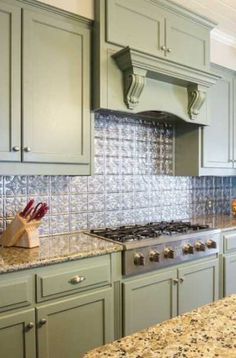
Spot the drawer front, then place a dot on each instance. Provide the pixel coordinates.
(15, 293)
(83, 276)
(229, 241)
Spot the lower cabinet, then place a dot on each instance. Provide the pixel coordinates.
(161, 295)
(17, 335)
(71, 327)
(229, 274)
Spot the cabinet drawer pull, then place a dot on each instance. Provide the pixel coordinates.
(181, 280)
(30, 325)
(42, 321)
(16, 148)
(77, 279)
(27, 149)
(175, 281)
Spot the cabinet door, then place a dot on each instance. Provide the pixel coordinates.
(187, 42)
(17, 337)
(230, 274)
(74, 326)
(142, 25)
(198, 285)
(149, 300)
(10, 72)
(218, 136)
(56, 94)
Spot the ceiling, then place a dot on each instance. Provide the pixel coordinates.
(221, 11)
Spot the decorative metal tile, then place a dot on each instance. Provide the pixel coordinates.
(113, 201)
(127, 217)
(127, 201)
(1, 185)
(60, 184)
(113, 218)
(13, 205)
(59, 224)
(99, 165)
(96, 184)
(78, 202)
(96, 220)
(15, 185)
(78, 221)
(96, 202)
(127, 183)
(59, 204)
(38, 185)
(79, 185)
(112, 183)
(44, 228)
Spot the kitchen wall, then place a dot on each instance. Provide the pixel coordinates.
(132, 183)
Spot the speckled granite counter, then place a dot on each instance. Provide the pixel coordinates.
(223, 222)
(55, 249)
(208, 332)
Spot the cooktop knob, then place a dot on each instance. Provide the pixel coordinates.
(169, 253)
(211, 244)
(139, 259)
(154, 256)
(200, 246)
(187, 249)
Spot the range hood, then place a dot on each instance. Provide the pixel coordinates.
(137, 67)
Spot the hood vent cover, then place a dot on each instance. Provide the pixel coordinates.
(137, 67)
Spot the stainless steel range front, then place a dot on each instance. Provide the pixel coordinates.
(157, 245)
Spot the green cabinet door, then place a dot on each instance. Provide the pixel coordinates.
(149, 300)
(71, 327)
(17, 335)
(56, 89)
(187, 42)
(218, 136)
(229, 274)
(198, 285)
(10, 75)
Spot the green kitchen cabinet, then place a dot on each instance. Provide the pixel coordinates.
(45, 91)
(198, 285)
(10, 81)
(160, 29)
(229, 267)
(17, 335)
(71, 327)
(161, 295)
(148, 300)
(211, 149)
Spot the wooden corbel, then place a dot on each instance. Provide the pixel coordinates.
(196, 98)
(134, 82)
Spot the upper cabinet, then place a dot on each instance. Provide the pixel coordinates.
(151, 55)
(211, 150)
(154, 28)
(45, 91)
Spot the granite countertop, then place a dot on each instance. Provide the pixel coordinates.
(207, 332)
(223, 222)
(55, 249)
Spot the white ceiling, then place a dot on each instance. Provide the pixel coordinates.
(221, 11)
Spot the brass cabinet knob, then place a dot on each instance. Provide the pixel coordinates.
(77, 279)
(16, 148)
(42, 321)
(27, 149)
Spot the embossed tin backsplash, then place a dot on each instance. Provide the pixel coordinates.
(132, 183)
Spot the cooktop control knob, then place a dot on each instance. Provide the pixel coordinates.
(169, 253)
(187, 249)
(139, 259)
(154, 256)
(211, 244)
(200, 246)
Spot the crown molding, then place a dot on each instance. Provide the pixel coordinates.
(223, 37)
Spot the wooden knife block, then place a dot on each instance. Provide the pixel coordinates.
(21, 233)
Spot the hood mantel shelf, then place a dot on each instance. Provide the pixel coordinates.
(137, 66)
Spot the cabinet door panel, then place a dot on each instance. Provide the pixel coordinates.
(16, 340)
(56, 118)
(199, 287)
(229, 274)
(217, 137)
(76, 325)
(10, 37)
(149, 300)
(142, 25)
(187, 41)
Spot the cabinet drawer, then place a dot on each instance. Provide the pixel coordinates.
(73, 278)
(229, 241)
(15, 293)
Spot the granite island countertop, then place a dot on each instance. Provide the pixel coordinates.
(209, 331)
(55, 249)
